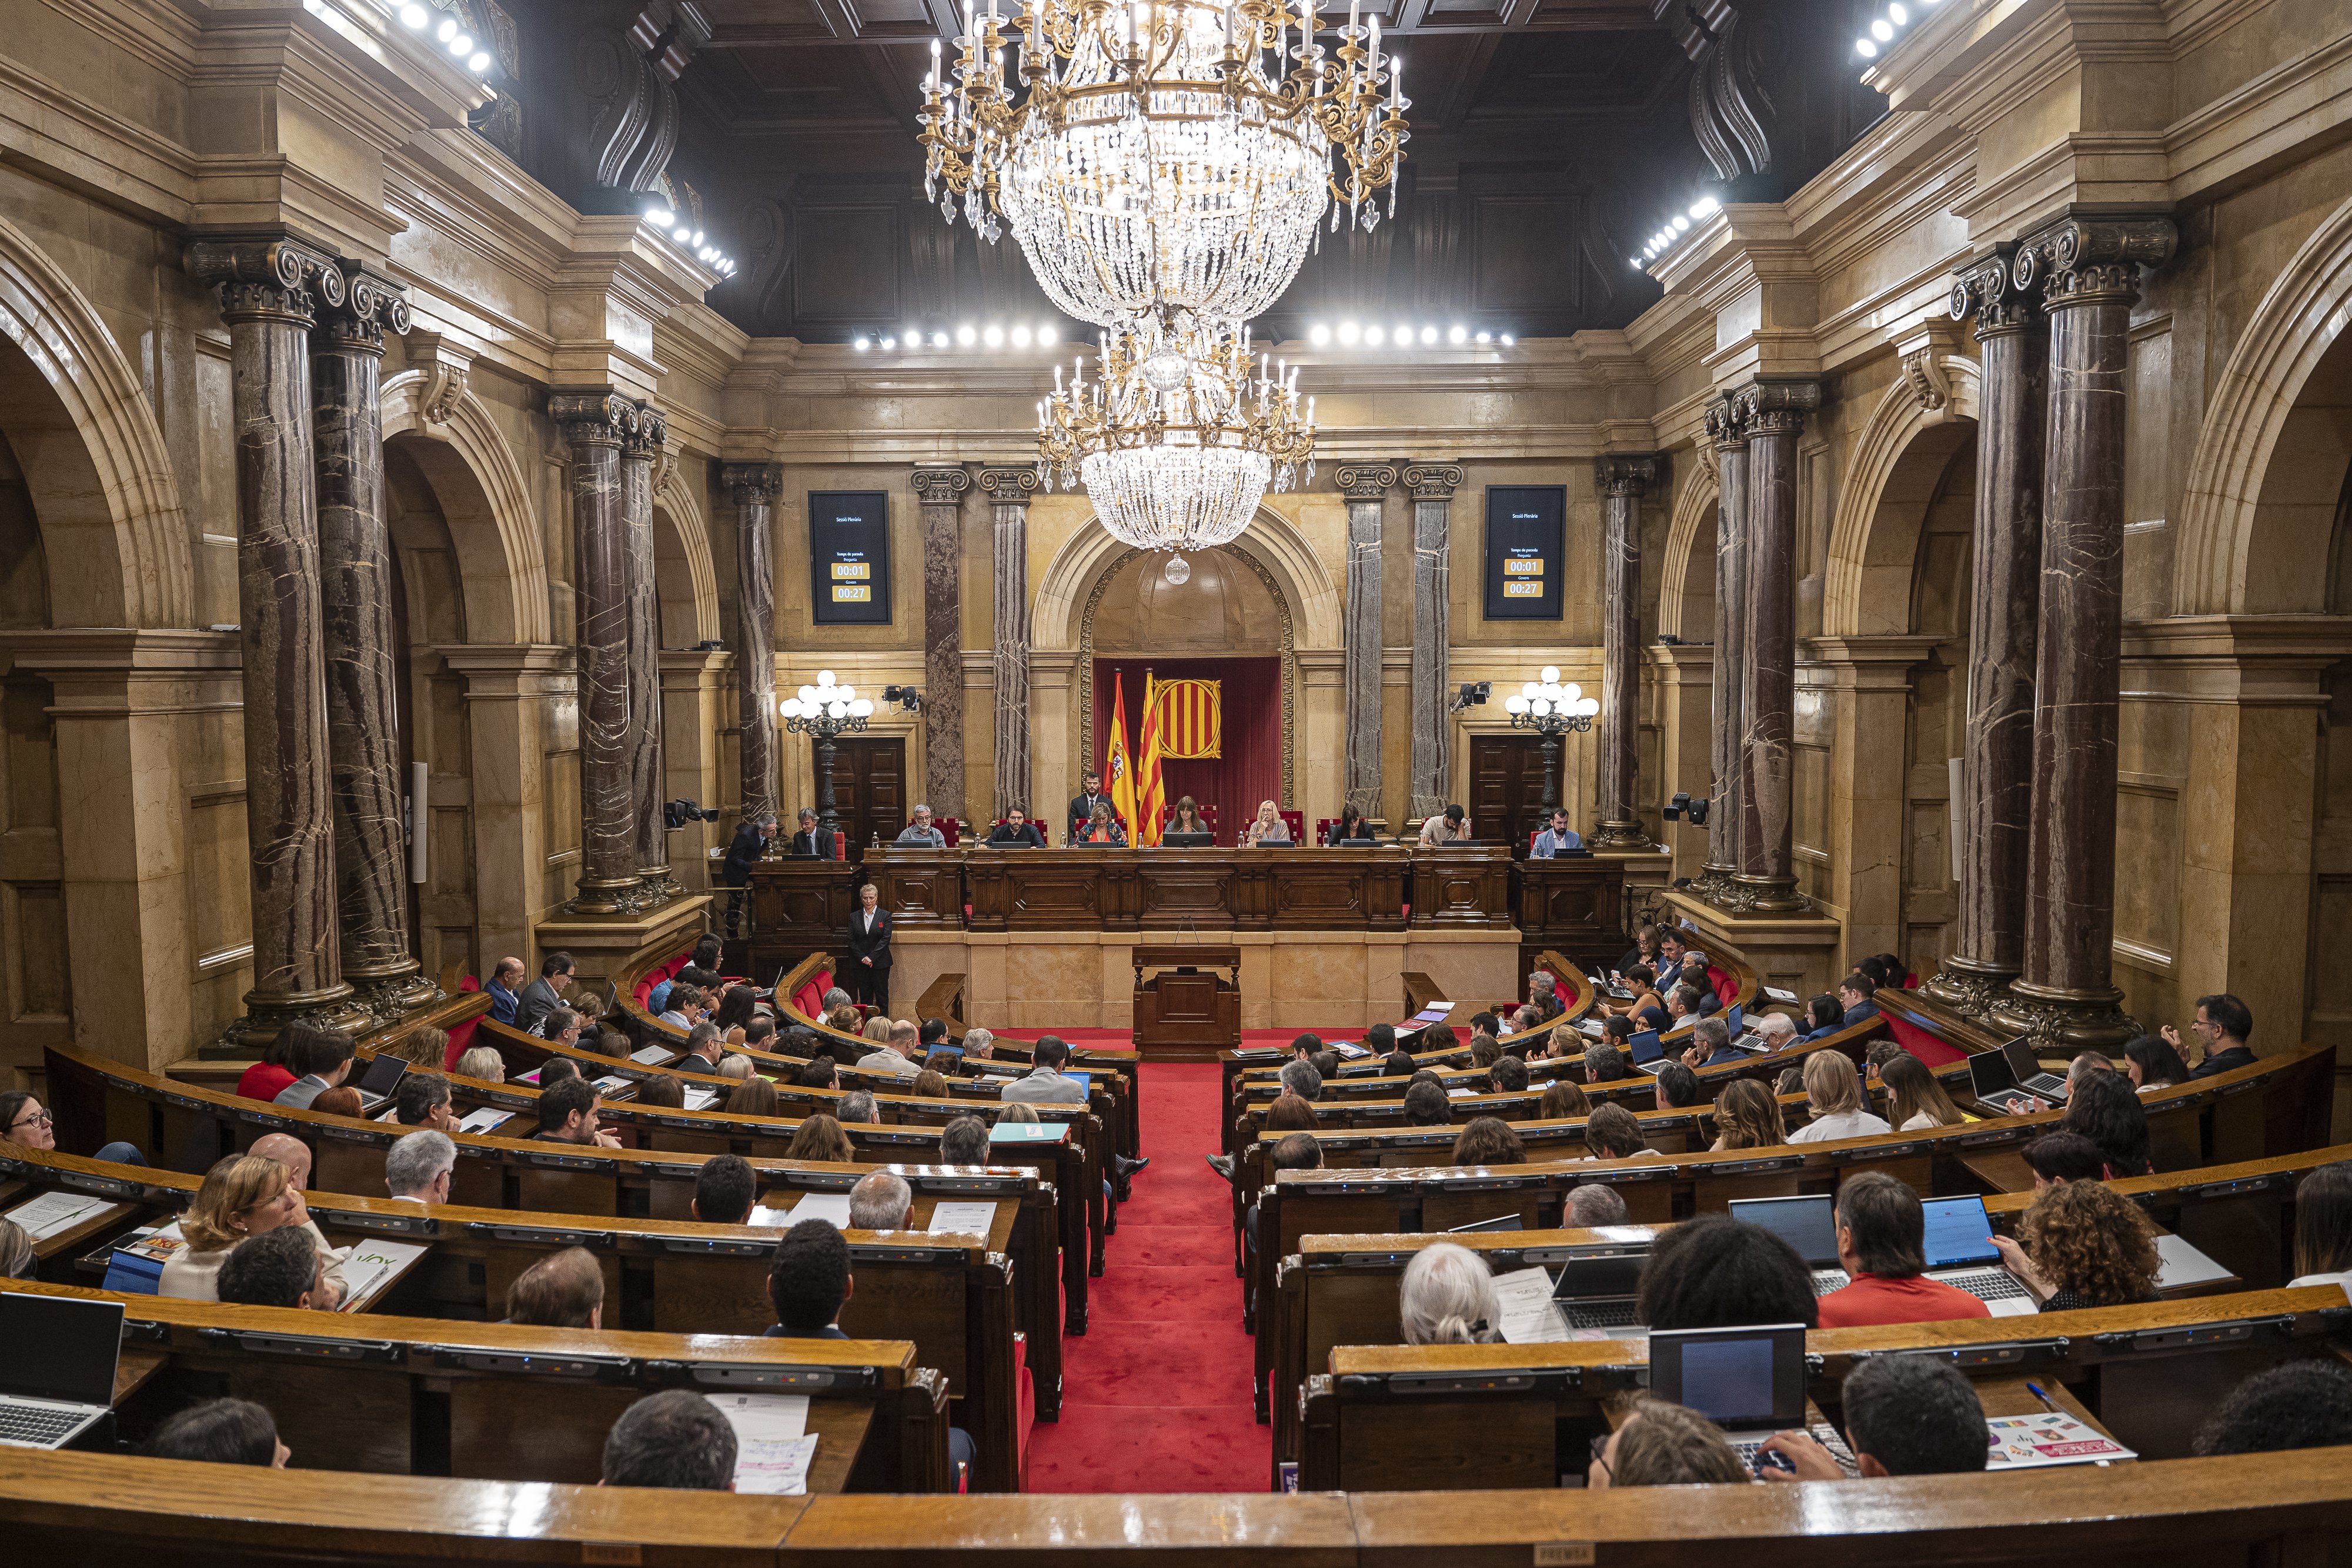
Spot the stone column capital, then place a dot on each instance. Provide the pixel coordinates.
(1983, 287)
(1628, 472)
(1777, 407)
(1726, 423)
(265, 277)
(644, 434)
(1009, 487)
(752, 484)
(371, 304)
(1366, 481)
(591, 416)
(944, 487)
(1432, 481)
(2083, 260)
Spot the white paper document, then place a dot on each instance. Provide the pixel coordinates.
(367, 1263)
(1530, 1316)
(700, 1099)
(52, 1212)
(652, 1053)
(773, 1448)
(833, 1207)
(964, 1219)
(486, 1120)
(1460, 1094)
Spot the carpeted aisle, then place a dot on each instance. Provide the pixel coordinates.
(1156, 1397)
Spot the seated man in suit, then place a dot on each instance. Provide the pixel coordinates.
(2223, 1025)
(1016, 829)
(1555, 838)
(1853, 995)
(750, 843)
(1711, 1045)
(1082, 807)
(813, 840)
(544, 995)
(1045, 1085)
(920, 833)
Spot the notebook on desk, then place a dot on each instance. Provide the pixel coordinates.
(58, 1358)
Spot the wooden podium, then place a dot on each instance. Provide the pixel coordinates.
(1187, 1012)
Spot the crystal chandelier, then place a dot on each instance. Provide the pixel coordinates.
(1170, 156)
(1179, 434)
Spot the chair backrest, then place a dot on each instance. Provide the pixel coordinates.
(1297, 822)
(950, 829)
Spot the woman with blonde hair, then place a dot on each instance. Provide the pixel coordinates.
(1834, 1090)
(820, 1138)
(242, 1196)
(1747, 1117)
(1102, 828)
(735, 1066)
(1269, 828)
(1447, 1297)
(1915, 1101)
(878, 1030)
(1018, 1115)
(425, 1047)
(484, 1064)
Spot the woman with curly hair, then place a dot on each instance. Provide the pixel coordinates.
(1747, 1117)
(1489, 1141)
(2082, 1245)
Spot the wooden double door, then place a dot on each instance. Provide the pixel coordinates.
(1506, 785)
(869, 790)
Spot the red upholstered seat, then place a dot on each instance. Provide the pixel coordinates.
(462, 1036)
(1726, 987)
(950, 829)
(1297, 822)
(809, 999)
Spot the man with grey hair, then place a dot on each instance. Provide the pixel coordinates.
(1711, 1045)
(979, 1045)
(1604, 1063)
(921, 833)
(880, 1202)
(1779, 1029)
(964, 1141)
(837, 998)
(1592, 1204)
(749, 847)
(858, 1106)
(702, 1049)
(561, 1025)
(1301, 1079)
(419, 1168)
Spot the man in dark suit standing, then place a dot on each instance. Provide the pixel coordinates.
(812, 840)
(1082, 808)
(868, 972)
(735, 872)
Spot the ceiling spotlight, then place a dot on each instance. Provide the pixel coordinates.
(698, 236)
(1350, 333)
(858, 342)
(1458, 334)
(914, 336)
(1374, 337)
(1864, 48)
(1319, 335)
(1704, 207)
(939, 339)
(660, 217)
(1020, 335)
(1897, 14)
(479, 63)
(1403, 337)
(993, 337)
(681, 234)
(1486, 337)
(965, 336)
(1509, 340)
(413, 16)
(886, 342)
(462, 45)
(1882, 32)
(1429, 334)
(1047, 335)
(447, 30)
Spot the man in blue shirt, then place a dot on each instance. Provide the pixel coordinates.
(505, 982)
(1559, 836)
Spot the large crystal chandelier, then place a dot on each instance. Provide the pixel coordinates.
(1179, 434)
(1170, 156)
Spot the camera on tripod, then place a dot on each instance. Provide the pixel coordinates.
(676, 814)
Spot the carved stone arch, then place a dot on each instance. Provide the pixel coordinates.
(688, 578)
(465, 457)
(1898, 460)
(2246, 546)
(113, 527)
(1294, 570)
(1690, 548)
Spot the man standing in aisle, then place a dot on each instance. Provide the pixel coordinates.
(750, 843)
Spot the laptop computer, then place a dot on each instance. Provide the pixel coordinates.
(1748, 1381)
(1808, 1224)
(378, 1083)
(1993, 1083)
(1598, 1292)
(1958, 1246)
(1647, 1053)
(56, 1367)
(1187, 841)
(2029, 1074)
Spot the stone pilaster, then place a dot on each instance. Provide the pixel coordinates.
(1997, 760)
(1433, 485)
(641, 450)
(940, 491)
(270, 288)
(753, 487)
(363, 687)
(1009, 491)
(1726, 431)
(595, 422)
(2088, 273)
(1774, 415)
(1623, 479)
(1366, 487)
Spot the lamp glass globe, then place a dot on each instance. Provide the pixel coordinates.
(848, 693)
(807, 695)
(1540, 706)
(1515, 705)
(837, 709)
(1531, 691)
(861, 708)
(1551, 675)
(825, 677)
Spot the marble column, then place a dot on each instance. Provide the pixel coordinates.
(1433, 485)
(940, 491)
(1766, 883)
(270, 290)
(363, 697)
(1623, 479)
(1997, 757)
(595, 422)
(753, 487)
(1726, 431)
(641, 449)
(2088, 271)
(1008, 491)
(1366, 487)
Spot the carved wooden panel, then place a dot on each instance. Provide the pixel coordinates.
(1575, 906)
(1462, 887)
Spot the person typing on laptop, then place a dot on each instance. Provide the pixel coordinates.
(1880, 1230)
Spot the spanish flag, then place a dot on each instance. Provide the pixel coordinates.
(1122, 777)
(1151, 795)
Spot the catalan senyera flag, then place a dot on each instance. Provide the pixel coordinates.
(1191, 718)
(1151, 794)
(1114, 763)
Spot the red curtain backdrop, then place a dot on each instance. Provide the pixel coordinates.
(1250, 769)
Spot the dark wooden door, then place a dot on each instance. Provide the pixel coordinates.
(869, 790)
(1506, 779)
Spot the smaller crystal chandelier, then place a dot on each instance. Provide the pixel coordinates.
(1179, 435)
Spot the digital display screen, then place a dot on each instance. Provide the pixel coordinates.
(849, 558)
(1526, 548)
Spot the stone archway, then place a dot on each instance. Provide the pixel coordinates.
(1898, 464)
(1684, 612)
(484, 501)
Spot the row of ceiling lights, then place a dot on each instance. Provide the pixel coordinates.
(667, 224)
(1664, 239)
(1882, 31)
(1405, 334)
(1348, 335)
(455, 39)
(1020, 335)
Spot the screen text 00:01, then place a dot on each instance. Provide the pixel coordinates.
(851, 571)
(1524, 587)
(860, 593)
(1524, 566)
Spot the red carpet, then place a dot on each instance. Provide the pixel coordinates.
(1156, 1397)
(1125, 1037)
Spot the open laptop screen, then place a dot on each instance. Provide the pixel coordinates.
(1958, 1233)
(1989, 1074)
(1587, 1279)
(1645, 1047)
(1746, 1377)
(382, 1075)
(57, 1347)
(2022, 1063)
(1808, 1224)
